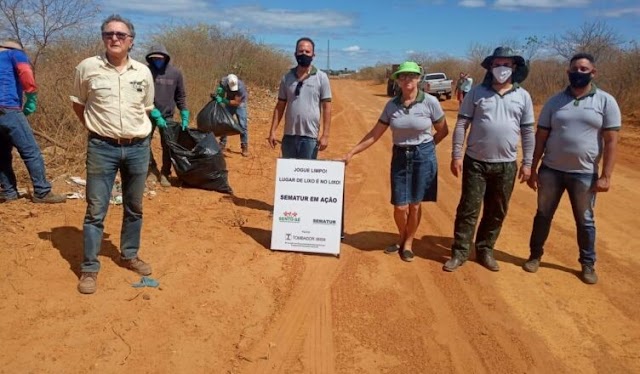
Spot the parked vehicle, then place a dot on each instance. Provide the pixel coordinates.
(437, 85)
(392, 87)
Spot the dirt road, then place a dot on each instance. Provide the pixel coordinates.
(227, 304)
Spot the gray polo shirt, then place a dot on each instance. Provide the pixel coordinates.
(412, 125)
(575, 129)
(496, 122)
(302, 114)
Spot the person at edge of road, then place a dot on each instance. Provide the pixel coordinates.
(412, 117)
(112, 96)
(305, 93)
(463, 81)
(232, 92)
(465, 86)
(169, 94)
(16, 77)
(499, 112)
(577, 128)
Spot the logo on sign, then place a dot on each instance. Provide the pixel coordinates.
(289, 217)
(319, 221)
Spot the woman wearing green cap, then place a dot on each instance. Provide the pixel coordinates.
(412, 116)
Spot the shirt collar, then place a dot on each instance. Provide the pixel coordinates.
(591, 92)
(106, 62)
(419, 98)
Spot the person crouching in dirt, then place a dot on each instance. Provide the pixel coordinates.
(232, 92)
(500, 113)
(112, 97)
(412, 117)
(169, 94)
(577, 128)
(16, 77)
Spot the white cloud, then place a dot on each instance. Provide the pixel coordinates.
(545, 4)
(410, 52)
(353, 49)
(614, 13)
(473, 3)
(242, 17)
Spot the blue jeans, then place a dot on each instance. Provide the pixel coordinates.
(297, 146)
(16, 132)
(103, 162)
(551, 186)
(414, 174)
(241, 113)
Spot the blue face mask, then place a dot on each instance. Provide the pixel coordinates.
(158, 63)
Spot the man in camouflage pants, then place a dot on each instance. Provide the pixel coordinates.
(499, 112)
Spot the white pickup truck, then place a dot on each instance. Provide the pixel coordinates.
(436, 84)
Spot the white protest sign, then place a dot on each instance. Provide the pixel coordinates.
(307, 208)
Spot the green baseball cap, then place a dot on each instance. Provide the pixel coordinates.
(407, 67)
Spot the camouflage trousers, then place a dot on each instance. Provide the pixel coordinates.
(483, 183)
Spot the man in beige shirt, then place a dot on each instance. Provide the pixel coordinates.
(112, 96)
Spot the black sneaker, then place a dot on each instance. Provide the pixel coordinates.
(394, 248)
(588, 274)
(531, 265)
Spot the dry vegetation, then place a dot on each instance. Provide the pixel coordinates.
(202, 52)
(617, 64)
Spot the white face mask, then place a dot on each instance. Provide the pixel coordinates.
(501, 73)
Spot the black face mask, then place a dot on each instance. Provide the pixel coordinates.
(578, 79)
(304, 60)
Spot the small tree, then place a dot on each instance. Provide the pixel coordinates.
(39, 23)
(595, 37)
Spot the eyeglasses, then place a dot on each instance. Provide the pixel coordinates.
(298, 86)
(118, 34)
(506, 65)
(408, 76)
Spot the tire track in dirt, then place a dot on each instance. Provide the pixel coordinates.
(302, 336)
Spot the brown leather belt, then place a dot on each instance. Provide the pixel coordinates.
(116, 141)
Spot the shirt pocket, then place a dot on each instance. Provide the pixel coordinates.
(101, 89)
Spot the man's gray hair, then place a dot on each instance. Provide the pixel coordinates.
(118, 18)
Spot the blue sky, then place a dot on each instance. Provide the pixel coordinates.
(362, 33)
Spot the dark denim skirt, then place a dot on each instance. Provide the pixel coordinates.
(414, 174)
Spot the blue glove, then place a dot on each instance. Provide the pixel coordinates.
(157, 118)
(30, 103)
(184, 115)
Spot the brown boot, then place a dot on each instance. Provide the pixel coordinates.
(137, 265)
(49, 198)
(88, 283)
(245, 150)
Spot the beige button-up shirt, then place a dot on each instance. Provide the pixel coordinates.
(115, 103)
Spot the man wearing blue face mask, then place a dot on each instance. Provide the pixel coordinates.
(170, 92)
(305, 93)
(577, 128)
(499, 113)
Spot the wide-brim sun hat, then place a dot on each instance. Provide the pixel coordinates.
(502, 52)
(407, 67)
(10, 44)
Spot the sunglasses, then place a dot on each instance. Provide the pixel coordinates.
(403, 76)
(118, 34)
(506, 65)
(298, 86)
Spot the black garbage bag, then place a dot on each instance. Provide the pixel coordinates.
(214, 117)
(197, 158)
